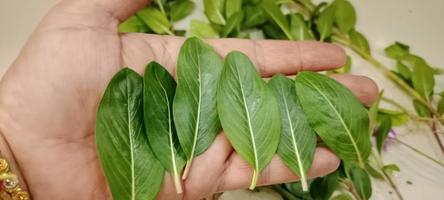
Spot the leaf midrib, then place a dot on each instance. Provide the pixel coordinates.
(253, 142)
(342, 123)
(293, 138)
(130, 130)
(196, 128)
(170, 132)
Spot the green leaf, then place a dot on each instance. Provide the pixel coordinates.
(322, 188)
(403, 70)
(214, 10)
(361, 182)
(421, 109)
(158, 94)
(343, 196)
(373, 113)
(155, 20)
(325, 22)
(298, 140)
(299, 29)
(197, 123)
(360, 41)
(345, 15)
(346, 68)
(295, 188)
(127, 161)
(233, 23)
(248, 112)
(382, 132)
(441, 106)
(232, 7)
(391, 168)
(397, 50)
(133, 24)
(341, 122)
(423, 79)
(273, 31)
(274, 12)
(373, 172)
(254, 16)
(160, 4)
(202, 30)
(398, 118)
(181, 9)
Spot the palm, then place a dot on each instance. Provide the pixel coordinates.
(49, 98)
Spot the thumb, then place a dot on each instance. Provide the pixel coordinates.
(90, 14)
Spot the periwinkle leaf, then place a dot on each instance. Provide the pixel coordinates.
(441, 106)
(298, 140)
(397, 50)
(233, 23)
(361, 182)
(423, 78)
(323, 187)
(343, 196)
(274, 12)
(391, 168)
(404, 71)
(382, 132)
(325, 22)
(155, 20)
(254, 16)
(359, 41)
(232, 7)
(158, 94)
(130, 167)
(202, 30)
(345, 15)
(342, 121)
(248, 112)
(214, 10)
(181, 9)
(299, 29)
(197, 123)
(133, 24)
(421, 109)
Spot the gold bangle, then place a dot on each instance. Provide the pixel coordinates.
(9, 184)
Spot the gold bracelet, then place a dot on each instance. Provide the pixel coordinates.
(9, 184)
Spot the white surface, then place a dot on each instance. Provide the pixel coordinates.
(417, 23)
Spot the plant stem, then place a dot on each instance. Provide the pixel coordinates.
(284, 193)
(393, 185)
(418, 152)
(387, 177)
(404, 110)
(348, 185)
(435, 133)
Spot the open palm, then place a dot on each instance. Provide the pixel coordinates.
(49, 99)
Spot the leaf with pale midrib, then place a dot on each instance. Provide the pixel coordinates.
(248, 112)
(159, 90)
(336, 115)
(197, 123)
(298, 140)
(130, 168)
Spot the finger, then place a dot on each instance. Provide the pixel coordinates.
(269, 56)
(238, 174)
(364, 88)
(90, 14)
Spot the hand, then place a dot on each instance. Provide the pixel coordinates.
(49, 99)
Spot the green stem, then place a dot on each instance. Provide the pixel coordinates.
(387, 177)
(284, 193)
(419, 152)
(343, 40)
(404, 110)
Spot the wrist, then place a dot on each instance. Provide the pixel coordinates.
(11, 179)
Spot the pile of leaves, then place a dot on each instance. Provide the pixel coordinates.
(293, 20)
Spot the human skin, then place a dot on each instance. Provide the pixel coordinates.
(50, 94)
